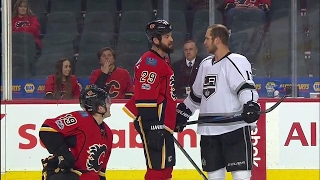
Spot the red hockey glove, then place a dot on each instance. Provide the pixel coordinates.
(250, 112)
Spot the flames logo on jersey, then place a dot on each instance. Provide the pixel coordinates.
(172, 89)
(97, 153)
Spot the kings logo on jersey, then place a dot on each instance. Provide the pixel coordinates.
(209, 86)
(97, 153)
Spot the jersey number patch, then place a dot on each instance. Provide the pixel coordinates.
(69, 120)
(149, 77)
(209, 86)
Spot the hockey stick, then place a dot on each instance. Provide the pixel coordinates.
(189, 158)
(236, 117)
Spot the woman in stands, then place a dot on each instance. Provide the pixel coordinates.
(23, 20)
(62, 84)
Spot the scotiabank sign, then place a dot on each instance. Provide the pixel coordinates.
(288, 130)
(29, 133)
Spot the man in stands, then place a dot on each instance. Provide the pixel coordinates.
(80, 141)
(113, 79)
(186, 69)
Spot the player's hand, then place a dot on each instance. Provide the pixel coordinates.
(183, 115)
(50, 163)
(106, 67)
(250, 112)
(66, 159)
(155, 137)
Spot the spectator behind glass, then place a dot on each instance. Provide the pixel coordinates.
(203, 4)
(62, 84)
(186, 69)
(262, 4)
(23, 20)
(111, 78)
(232, 7)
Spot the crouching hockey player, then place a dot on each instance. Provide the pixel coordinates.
(79, 141)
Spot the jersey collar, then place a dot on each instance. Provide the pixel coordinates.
(155, 52)
(213, 59)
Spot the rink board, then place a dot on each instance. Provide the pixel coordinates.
(286, 142)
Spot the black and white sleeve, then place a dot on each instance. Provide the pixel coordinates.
(239, 74)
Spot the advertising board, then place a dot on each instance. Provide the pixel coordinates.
(285, 142)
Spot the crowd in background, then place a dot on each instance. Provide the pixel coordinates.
(62, 40)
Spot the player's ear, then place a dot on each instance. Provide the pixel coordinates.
(155, 40)
(101, 109)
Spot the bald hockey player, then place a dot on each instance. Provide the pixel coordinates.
(223, 87)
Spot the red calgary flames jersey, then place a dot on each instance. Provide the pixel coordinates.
(250, 2)
(154, 87)
(93, 141)
(51, 85)
(119, 82)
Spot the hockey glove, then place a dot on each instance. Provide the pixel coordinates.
(50, 165)
(183, 114)
(250, 112)
(66, 159)
(155, 136)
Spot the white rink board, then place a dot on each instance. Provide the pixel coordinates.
(300, 148)
(31, 157)
(22, 123)
(3, 139)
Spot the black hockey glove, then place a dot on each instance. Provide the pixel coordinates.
(155, 136)
(250, 112)
(65, 157)
(50, 165)
(183, 114)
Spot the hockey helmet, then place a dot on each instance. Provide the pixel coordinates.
(90, 99)
(157, 28)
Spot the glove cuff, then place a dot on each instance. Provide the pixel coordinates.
(184, 111)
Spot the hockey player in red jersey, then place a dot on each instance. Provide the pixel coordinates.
(153, 106)
(79, 141)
